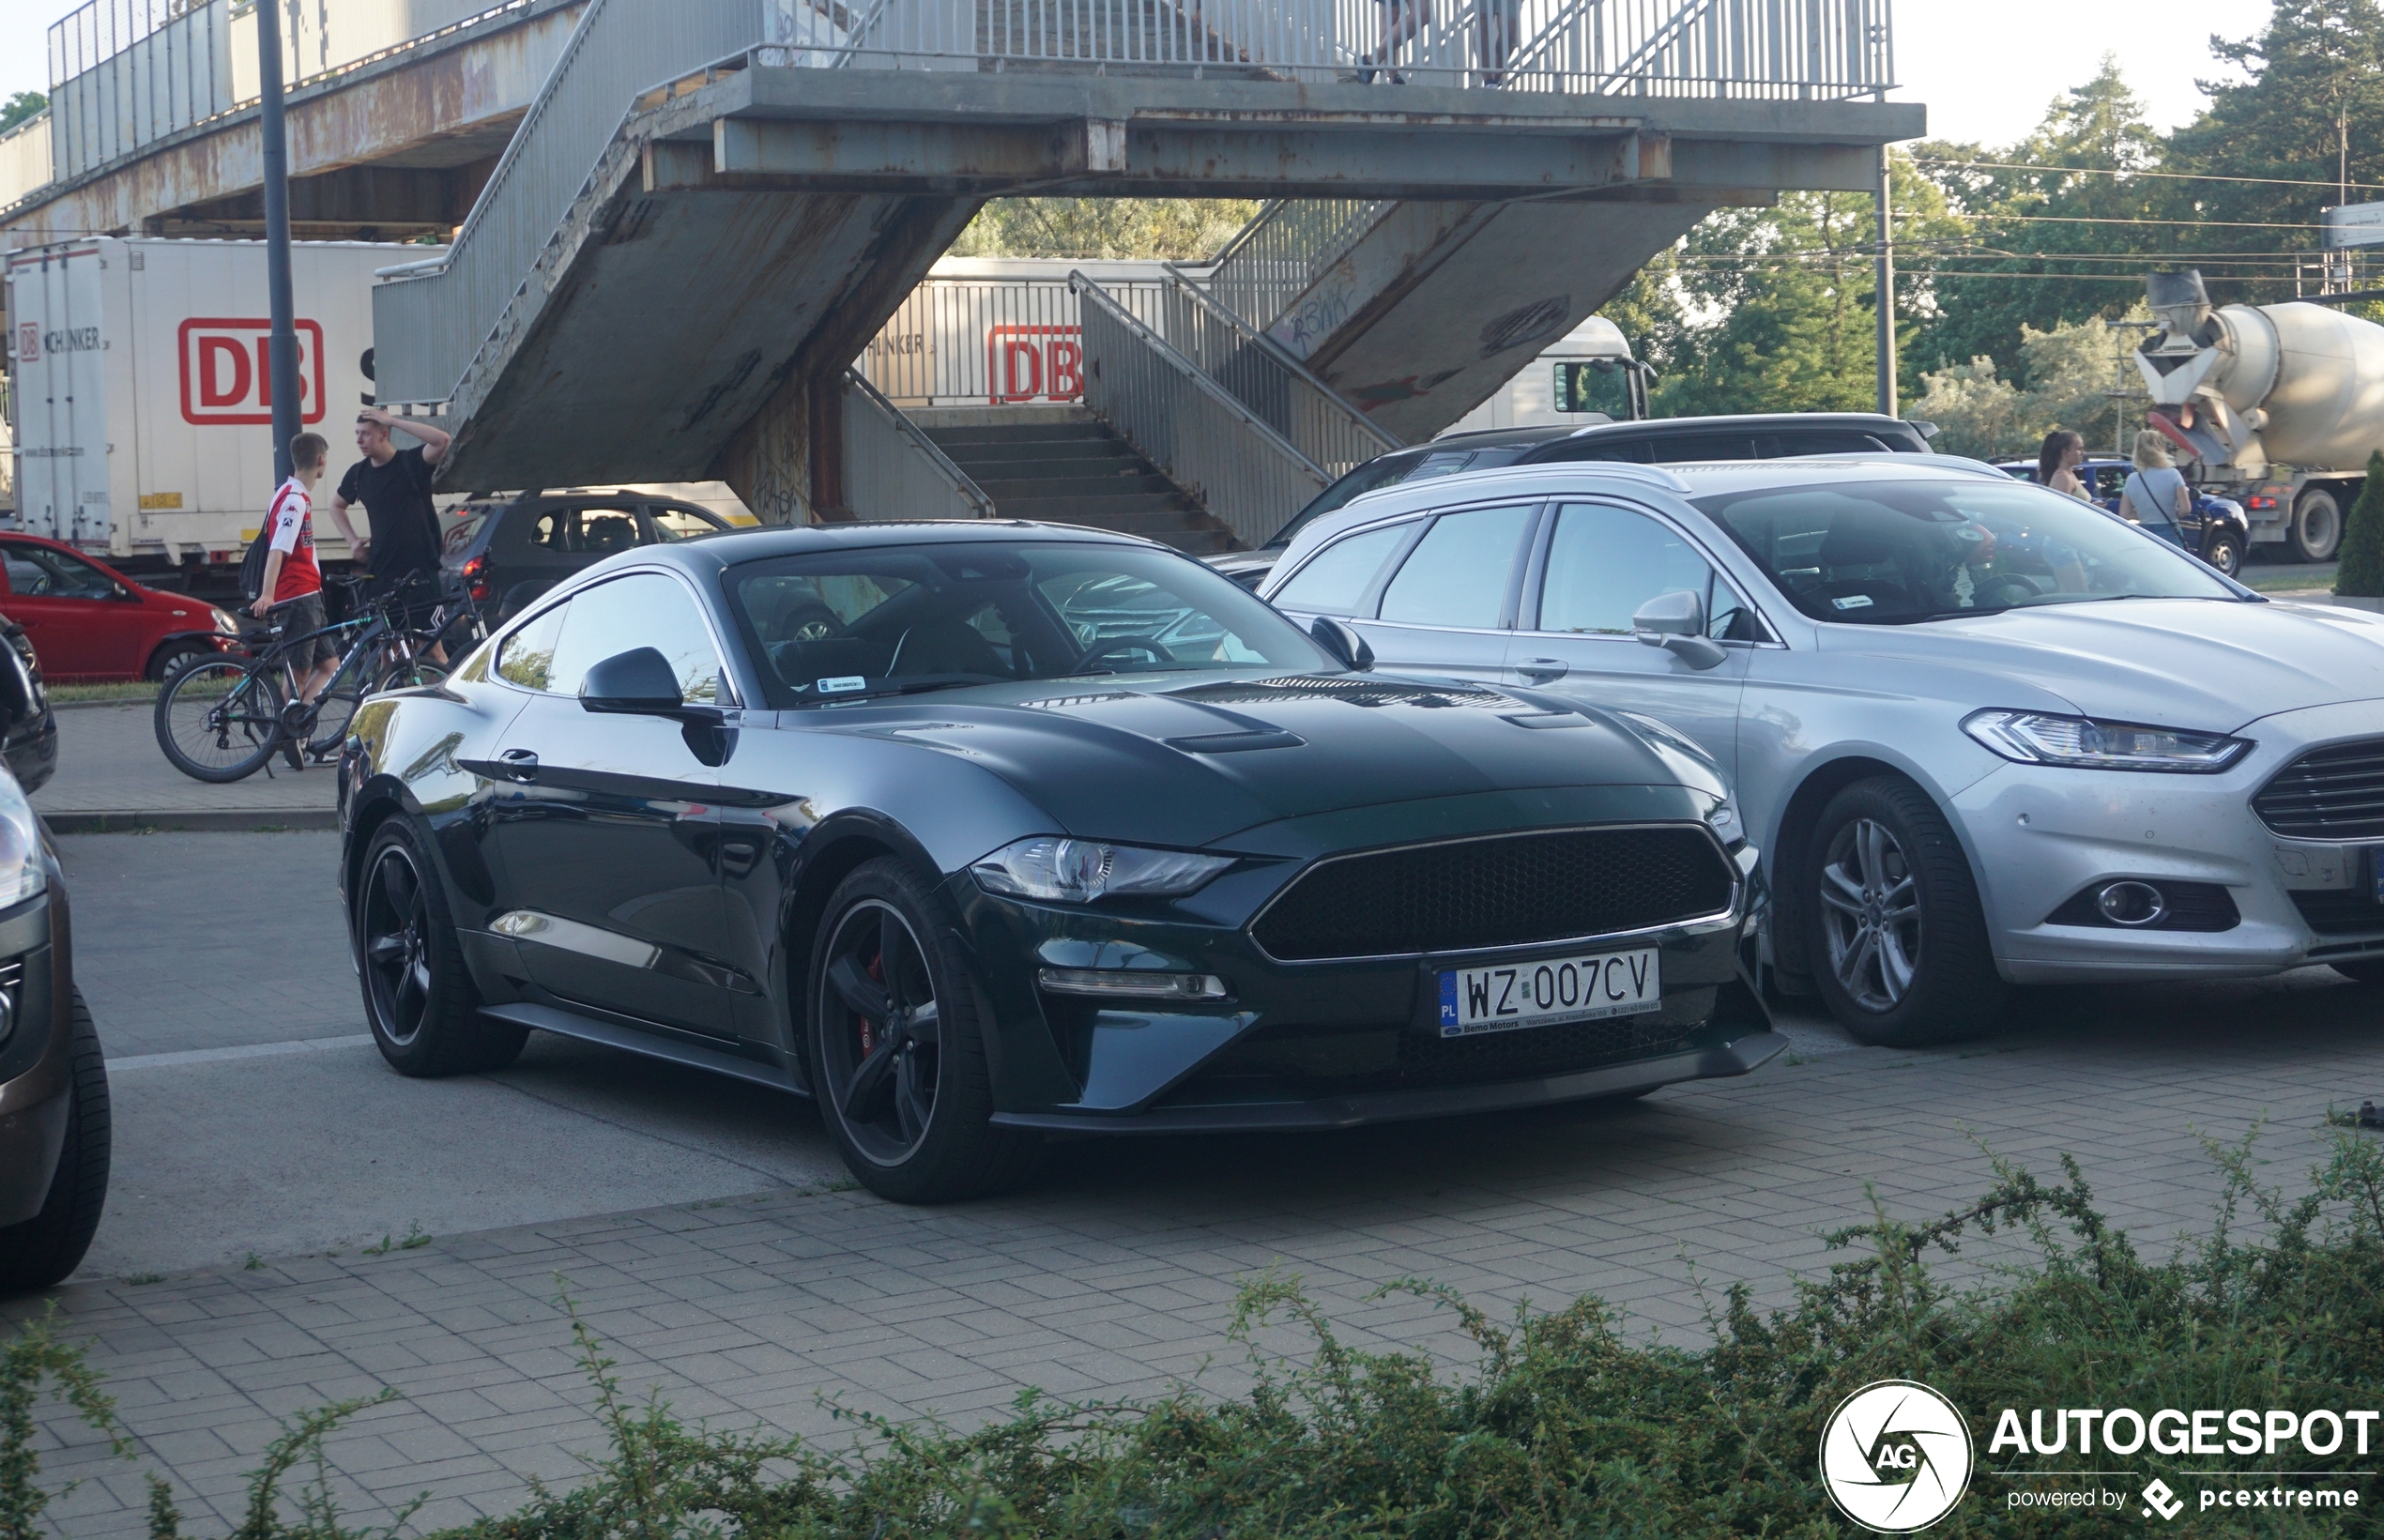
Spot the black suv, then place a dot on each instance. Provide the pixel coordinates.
(511, 552)
(1678, 440)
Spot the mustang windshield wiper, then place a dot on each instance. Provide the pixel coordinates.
(811, 695)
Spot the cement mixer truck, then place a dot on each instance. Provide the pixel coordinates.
(2276, 406)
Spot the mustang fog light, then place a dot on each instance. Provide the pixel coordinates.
(2132, 904)
(2039, 738)
(1131, 984)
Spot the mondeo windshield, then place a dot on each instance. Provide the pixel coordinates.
(847, 625)
(1890, 553)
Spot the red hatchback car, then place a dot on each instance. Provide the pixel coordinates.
(88, 623)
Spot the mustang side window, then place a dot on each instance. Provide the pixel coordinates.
(644, 609)
(1337, 577)
(527, 658)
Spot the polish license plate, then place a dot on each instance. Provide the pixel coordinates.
(1543, 994)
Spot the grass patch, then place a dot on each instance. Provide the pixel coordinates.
(1563, 1426)
(67, 693)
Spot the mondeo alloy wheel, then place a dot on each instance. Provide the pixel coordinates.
(880, 1036)
(1870, 914)
(1896, 936)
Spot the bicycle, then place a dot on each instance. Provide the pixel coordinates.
(224, 718)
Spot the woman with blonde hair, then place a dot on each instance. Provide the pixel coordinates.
(2155, 492)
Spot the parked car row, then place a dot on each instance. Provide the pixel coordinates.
(980, 833)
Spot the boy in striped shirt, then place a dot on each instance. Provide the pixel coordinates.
(291, 593)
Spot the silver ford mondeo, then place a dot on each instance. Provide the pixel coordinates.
(1985, 734)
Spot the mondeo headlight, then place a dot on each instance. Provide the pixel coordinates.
(1067, 871)
(21, 872)
(2038, 738)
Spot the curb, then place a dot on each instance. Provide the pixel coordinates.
(205, 819)
(146, 702)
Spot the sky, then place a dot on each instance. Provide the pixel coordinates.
(1986, 70)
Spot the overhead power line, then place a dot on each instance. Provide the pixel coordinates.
(2169, 175)
(2082, 219)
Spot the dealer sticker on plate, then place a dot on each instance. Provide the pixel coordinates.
(1498, 999)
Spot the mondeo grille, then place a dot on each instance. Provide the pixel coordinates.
(2327, 794)
(1508, 889)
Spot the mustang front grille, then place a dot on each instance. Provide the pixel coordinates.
(1502, 890)
(2327, 794)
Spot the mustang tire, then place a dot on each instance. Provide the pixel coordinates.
(45, 1248)
(1898, 939)
(896, 1026)
(417, 994)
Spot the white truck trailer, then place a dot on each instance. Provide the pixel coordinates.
(2277, 406)
(143, 407)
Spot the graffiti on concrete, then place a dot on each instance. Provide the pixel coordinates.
(1527, 326)
(1307, 323)
(1382, 392)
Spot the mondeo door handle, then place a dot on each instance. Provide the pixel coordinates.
(1541, 670)
(518, 765)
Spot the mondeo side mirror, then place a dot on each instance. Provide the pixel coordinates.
(639, 682)
(1340, 638)
(1676, 622)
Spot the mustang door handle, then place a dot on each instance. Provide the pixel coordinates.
(518, 765)
(1541, 670)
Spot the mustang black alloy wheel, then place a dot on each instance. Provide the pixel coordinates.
(1898, 939)
(424, 1012)
(896, 1044)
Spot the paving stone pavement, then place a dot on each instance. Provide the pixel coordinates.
(1114, 1274)
(109, 762)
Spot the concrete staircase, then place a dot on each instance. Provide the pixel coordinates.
(1062, 464)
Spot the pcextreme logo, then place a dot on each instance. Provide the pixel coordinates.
(1895, 1456)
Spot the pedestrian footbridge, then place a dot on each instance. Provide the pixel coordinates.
(707, 209)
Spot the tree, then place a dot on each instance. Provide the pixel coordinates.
(2362, 573)
(2068, 375)
(1773, 310)
(1176, 229)
(2032, 225)
(2311, 110)
(23, 105)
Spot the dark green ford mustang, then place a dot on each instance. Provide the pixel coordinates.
(980, 832)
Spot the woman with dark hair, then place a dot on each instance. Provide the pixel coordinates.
(2057, 462)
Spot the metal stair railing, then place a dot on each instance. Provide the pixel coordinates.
(1264, 376)
(1288, 245)
(1244, 473)
(451, 309)
(894, 470)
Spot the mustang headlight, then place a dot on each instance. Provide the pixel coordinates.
(1067, 871)
(2038, 738)
(22, 873)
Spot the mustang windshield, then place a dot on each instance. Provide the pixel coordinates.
(1890, 553)
(845, 625)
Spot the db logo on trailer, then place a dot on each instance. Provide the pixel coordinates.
(227, 373)
(1895, 1456)
(29, 341)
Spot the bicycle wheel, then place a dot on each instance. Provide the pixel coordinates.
(336, 708)
(220, 720)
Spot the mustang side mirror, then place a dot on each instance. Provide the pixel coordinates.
(639, 683)
(1342, 639)
(1676, 622)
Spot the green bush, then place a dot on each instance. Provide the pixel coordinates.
(2362, 573)
(1562, 1428)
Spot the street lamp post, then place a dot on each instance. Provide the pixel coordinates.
(282, 370)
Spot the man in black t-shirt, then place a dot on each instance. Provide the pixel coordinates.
(394, 486)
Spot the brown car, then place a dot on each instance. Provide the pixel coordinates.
(53, 1080)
